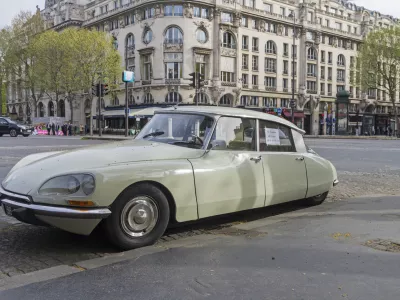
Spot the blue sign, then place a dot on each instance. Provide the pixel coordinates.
(128, 76)
(129, 111)
(279, 111)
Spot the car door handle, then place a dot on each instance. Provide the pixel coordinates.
(300, 158)
(256, 159)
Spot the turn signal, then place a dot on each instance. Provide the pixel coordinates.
(81, 203)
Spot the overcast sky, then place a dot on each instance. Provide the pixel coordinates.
(11, 8)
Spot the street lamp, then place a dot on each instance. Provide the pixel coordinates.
(292, 104)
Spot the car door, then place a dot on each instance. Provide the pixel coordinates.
(230, 177)
(284, 169)
(3, 126)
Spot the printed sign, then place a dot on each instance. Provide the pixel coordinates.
(128, 76)
(272, 136)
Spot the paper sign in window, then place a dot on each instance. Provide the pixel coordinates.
(272, 136)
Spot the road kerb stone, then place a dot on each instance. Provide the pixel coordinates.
(37, 276)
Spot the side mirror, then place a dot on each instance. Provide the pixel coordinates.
(216, 144)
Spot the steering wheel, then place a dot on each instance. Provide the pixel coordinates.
(198, 139)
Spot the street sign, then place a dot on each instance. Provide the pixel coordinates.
(128, 76)
(127, 110)
(279, 111)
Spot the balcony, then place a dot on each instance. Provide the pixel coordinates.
(245, 47)
(286, 90)
(245, 85)
(173, 44)
(146, 82)
(313, 92)
(339, 79)
(226, 83)
(286, 54)
(330, 61)
(329, 93)
(245, 67)
(371, 96)
(285, 72)
(255, 48)
(270, 88)
(255, 68)
(322, 77)
(175, 81)
(322, 93)
(255, 87)
(312, 75)
(330, 78)
(268, 70)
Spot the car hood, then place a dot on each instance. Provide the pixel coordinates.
(33, 170)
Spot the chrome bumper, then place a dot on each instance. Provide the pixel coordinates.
(335, 182)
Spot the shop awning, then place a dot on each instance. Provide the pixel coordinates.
(297, 114)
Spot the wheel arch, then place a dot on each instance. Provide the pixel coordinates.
(166, 192)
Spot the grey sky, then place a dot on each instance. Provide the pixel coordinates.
(10, 8)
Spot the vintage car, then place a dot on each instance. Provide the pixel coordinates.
(186, 164)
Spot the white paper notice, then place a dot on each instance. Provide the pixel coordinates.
(272, 136)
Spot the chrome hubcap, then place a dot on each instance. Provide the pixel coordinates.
(139, 216)
(13, 132)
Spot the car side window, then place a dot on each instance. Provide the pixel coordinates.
(235, 134)
(3, 122)
(275, 137)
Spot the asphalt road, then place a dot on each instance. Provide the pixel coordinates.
(325, 252)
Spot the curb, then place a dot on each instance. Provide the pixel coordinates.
(65, 270)
(106, 138)
(343, 137)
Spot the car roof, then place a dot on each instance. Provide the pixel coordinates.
(230, 111)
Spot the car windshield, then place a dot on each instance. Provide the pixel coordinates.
(187, 130)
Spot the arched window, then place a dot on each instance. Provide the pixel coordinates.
(225, 100)
(148, 98)
(41, 110)
(173, 35)
(270, 47)
(51, 109)
(341, 61)
(311, 54)
(243, 100)
(130, 42)
(61, 109)
(202, 98)
(228, 40)
(173, 97)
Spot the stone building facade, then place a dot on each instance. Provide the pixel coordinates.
(244, 48)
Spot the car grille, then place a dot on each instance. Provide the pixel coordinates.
(14, 197)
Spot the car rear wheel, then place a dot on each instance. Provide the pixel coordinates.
(13, 133)
(316, 200)
(139, 217)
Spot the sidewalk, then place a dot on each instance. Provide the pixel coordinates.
(107, 137)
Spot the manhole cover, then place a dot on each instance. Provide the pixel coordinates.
(383, 245)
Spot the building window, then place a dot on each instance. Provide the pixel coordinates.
(341, 60)
(147, 36)
(243, 100)
(270, 47)
(285, 83)
(311, 54)
(173, 10)
(148, 98)
(173, 97)
(285, 67)
(253, 101)
(322, 56)
(268, 7)
(254, 24)
(284, 103)
(227, 76)
(148, 13)
(245, 61)
(270, 65)
(147, 68)
(338, 25)
(255, 44)
(322, 72)
(254, 80)
(311, 86)
(202, 98)
(173, 35)
(200, 12)
(270, 82)
(269, 102)
(226, 17)
(245, 42)
(201, 65)
(283, 11)
(254, 63)
(245, 22)
(329, 57)
(311, 70)
(341, 75)
(225, 100)
(285, 49)
(201, 36)
(228, 40)
(322, 88)
(245, 78)
(173, 70)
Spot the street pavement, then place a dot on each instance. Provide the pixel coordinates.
(340, 250)
(365, 168)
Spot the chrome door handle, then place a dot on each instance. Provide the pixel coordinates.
(300, 158)
(256, 159)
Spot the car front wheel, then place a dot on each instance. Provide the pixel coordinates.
(139, 217)
(316, 200)
(13, 133)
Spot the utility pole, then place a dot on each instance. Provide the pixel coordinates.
(292, 103)
(99, 103)
(126, 110)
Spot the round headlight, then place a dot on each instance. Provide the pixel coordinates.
(88, 184)
(73, 184)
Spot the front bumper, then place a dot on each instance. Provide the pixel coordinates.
(76, 220)
(335, 182)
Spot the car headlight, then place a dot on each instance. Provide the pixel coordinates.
(68, 185)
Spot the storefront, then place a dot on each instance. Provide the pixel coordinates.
(298, 117)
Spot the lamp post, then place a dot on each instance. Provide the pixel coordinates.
(292, 104)
(357, 116)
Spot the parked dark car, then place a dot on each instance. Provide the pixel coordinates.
(8, 126)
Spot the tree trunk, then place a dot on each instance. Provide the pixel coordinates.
(1, 96)
(396, 125)
(91, 116)
(71, 107)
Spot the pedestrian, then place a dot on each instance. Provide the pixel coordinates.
(390, 130)
(48, 128)
(53, 128)
(86, 129)
(69, 129)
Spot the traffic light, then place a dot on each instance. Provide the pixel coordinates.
(193, 79)
(104, 90)
(200, 80)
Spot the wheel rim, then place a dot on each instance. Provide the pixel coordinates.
(13, 132)
(139, 216)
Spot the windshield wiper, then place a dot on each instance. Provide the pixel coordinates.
(156, 133)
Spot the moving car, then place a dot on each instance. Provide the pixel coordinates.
(8, 126)
(186, 164)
